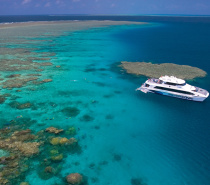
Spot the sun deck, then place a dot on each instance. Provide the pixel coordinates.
(155, 80)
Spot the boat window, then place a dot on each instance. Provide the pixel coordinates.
(146, 85)
(169, 83)
(174, 90)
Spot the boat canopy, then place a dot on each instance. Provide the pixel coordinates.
(172, 79)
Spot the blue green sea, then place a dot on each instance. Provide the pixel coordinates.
(125, 137)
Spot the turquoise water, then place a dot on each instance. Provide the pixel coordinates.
(151, 139)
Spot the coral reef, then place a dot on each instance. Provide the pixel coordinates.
(74, 179)
(13, 144)
(71, 111)
(17, 65)
(109, 116)
(46, 172)
(57, 158)
(157, 70)
(55, 141)
(20, 62)
(45, 63)
(19, 151)
(20, 105)
(14, 75)
(63, 140)
(86, 118)
(72, 141)
(47, 80)
(48, 169)
(24, 183)
(2, 99)
(42, 81)
(71, 131)
(53, 130)
(21, 146)
(23, 135)
(54, 152)
(137, 181)
(117, 157)
(34, 75)
(17, 82)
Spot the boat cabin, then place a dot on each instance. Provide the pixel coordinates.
(172, 80)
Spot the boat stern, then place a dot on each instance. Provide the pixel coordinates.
(143, 88)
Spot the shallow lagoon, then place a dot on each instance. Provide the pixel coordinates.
(126, 137)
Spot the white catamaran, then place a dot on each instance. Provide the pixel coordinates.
(175, 87)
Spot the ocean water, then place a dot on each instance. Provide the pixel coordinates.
(126, 137)
(145, 18)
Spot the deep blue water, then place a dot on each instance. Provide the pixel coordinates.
(187, 131)
(162, 140)
(147, 18)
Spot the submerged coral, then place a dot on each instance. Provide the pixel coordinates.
(14, 75)
(24, 183)
(23, 135)
(46, 172)
(46, 63)
(63, 140)
(86, 118)
(17, 82)
(2, 99)
(74, 179)
(54, 152)
(71, 131)
(72, 141)
(43, 81)
(22, 65)
(137, 181)
(47, 80)
(53, 130)
(26, 149)
(19, 149)
(55, 141)
(48, 169)
(22, 145)
(20, 105)
(71, 111)
(57, 158)
(109, 116)
(117, 157)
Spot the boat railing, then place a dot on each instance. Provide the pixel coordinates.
(154, 80)
(202, 91)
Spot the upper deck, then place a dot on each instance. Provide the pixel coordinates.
(172, 80)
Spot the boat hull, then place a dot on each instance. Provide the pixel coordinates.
(199, 99)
